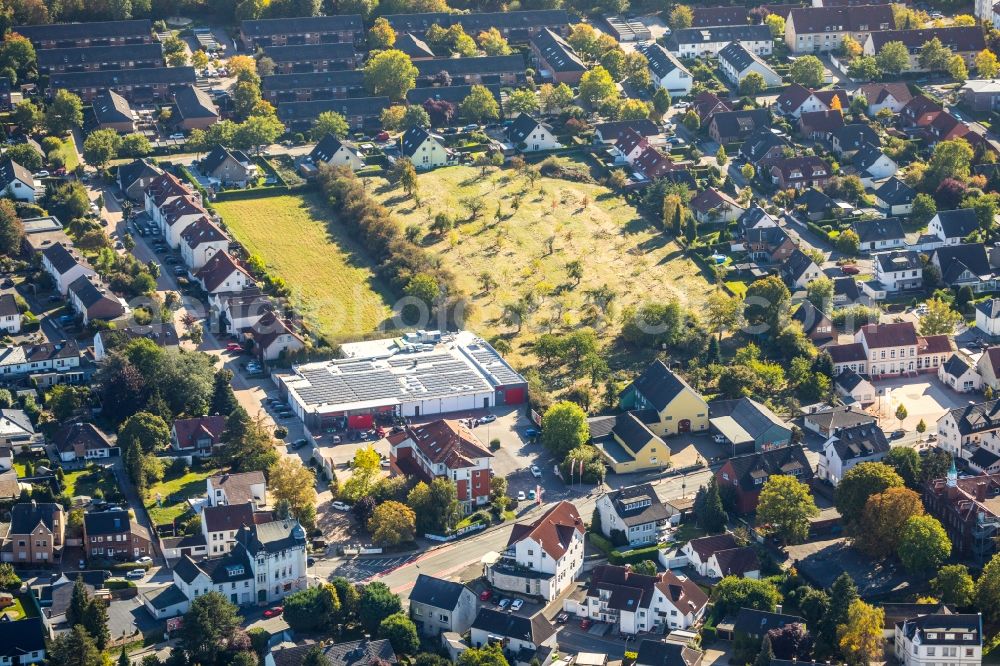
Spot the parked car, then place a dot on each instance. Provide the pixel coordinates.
(41, 174)
(504, 603)
(898, 434)
(532, 495)
(136, 574)
(516, 605)
(299, 443)
(562, 618)
(531, 432)
(485, 595)
(234, 347)
(489, 418)
(310, 562)
(341, 506)
(521, 496)
(850, 269)
(285, 415)
(177, 136)
(274, 611)
(585, 624)
(535, 472)
(719, 438)
(145, 559)
(382, 136)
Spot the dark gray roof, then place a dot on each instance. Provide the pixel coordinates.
(412, 46)
(454, 94)
(481, 65)
(783, 460)
(11, 171)
(757, 623)
(895, 192)
(473, 23)
(958, 223)
(327, 148)
(838, 418)
(848, 287)
(633, 432)
(661, 61)
(955, 259)
(854, 136)
(109, 78)
(558, 54)
(413, 139)
(88, 30)
(165, 597)
(760, 142)
(133, 171)
(8, 305)
(809, 20)
(733, 125)
(796, 265)
(97, 55)
(860, 441)
(984, 458)
(522, 126)
(739, 57)
(751, 415)
(60, 257)
(713, 34)
(848, 380)
(810, 317)
(977, 417)
(815, 201)
(106, 522)
(657, 653)
(883, 229)
(25, 516)
(946, 628)
(110, 107)
(341, 78)
(956, 38)
(644, 126)
(88, 292)
(867, 156)
(355, 653)
(218, 155)
(272, 537)
(899, 260)
(310, 52)
(437, 592)
(990, 307)
(311, 24)
(18, 639)
(232, 567)
(193, 102)
(637, 505)
(659, 385)
(497, 623)
(738, 561)
(956, 366)
(368, 107)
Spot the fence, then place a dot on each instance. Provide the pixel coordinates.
(462, 531)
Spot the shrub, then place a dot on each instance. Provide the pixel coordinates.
(635, 555)
(281, 432)
(494, 444)
(600, 543)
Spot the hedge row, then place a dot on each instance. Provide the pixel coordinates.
(600, 543)
(252, 193)
(635, 555)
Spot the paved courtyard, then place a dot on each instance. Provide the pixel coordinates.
(924, 397)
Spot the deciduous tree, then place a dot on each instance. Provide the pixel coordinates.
(392, 523)
(954, 585)
(807, 70)
(390, 74)
(861, 482)
(879, 528)
(860, 638)
(785, 507)
(381, 36)
(293, 482)
(597, 86)
(893, 58)
(923, 544)
(564, 427)
(329, 122)
(101, 146)
(479, 105)
(940, 318)
(208, 626)
(64, 112)
(376, 603)
(400, 631)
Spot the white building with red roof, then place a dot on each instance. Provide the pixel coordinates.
(444, 448)
(891, 349)
(197, 435)
(542, 558)
(221, 274)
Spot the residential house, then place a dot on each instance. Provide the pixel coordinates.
(307, 86)
(438, 605)
(200, 241)
(924, 640)
(637, 603)
(23, 641)
(557, 60)
(230, 168)
(849, 139)
(112, 111)
(800, 172)
(736, 62)
(846, 291)
(302, 30)
(988, 316)
(679, 408)
(822, 29)
(816, 205)
(529, 135)
(219, 525)
(336, 152)
(828, 421)
(83, 441)
(237, 489)
(163, 190)
(164, 335)
(195, 109)
(850, 447)
(484, 70)
(448, 449)
(707, 104)
(873, 164)
(15, 430)
(634, 514)
(799, 270)
(37, 533)
(720, 555)
(55, 361)
(322, 57)
(764, 145)
(176, 215)
(714, 206)
(769, 245)
(221, 274)
(631, 446)
(815, 323)
(880, 234)
(16, 181)
(893, 96)
(424, 149)
(960, 374)
(274, 337)
(87, 34)
(133, 178)
(727, 127)
(145, 85)
(413, 46)
(10, 315)
(967, 509)
(199, 434)
(353, 653)
(751, 625)
(113, 535)
(518, 26)
(241, 311)
(361, 113)
(708, 41)
(981, 95)
(890, 349)
(523, 639)
(666, 71)
(796, 99)
(952, 227)
(654, 652)
(706, 17)
(6, 457)
(895, 197)
(820, 125)
(747, 474)
(965, 41)
(748, 425)
(543, 557)
(755, 218)
(964, 265)
(853, 387)
(898, 270)
(629, 146)
(608, 133)
(63, 266)
(94, 301)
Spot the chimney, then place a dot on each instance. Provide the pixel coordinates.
(34, 505)
(981, 491)
(777, 609)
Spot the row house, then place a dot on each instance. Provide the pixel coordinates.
(82, 35)
(965, 41)
(64, 266)
(150, 84)
(736, 62)
(448, 449)
(413, 46)
(557, 60)
(300, 58)
(302, 87)
(504, 69)
(637, 603)
(194, 108)
(706, 17)
(454, 95)
(967, 509)
(177, 215)
(274, 337)
(891, 349)
(238, 311)
(708, 41)
(112, 111)
(342, 28)
(114, 535)
(162, 191)
(361, 113)
(542, 558)
(727, 127)
(58, 359)
(200, 241)
(519, 26)
(97, 58)
(800, 172)
(223, 274)
(822, 29)
(796, 99)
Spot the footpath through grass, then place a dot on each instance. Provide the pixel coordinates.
(332, 280)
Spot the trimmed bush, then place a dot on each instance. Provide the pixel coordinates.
(600, 543)
(635, 555)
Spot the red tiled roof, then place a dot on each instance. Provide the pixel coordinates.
(853, 351)
(933, 344)
(188, 431)
(444, 441)
(553, 531)
(217, 269)
(898, 334)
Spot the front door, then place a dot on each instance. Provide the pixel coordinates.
(684, 425)
(233, 597)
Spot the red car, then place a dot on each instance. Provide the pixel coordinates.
(485, 595)
(382, 136)
(234, 347)
(274, 611)
(850, 269)
(585, 624)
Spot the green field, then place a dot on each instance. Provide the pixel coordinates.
(542, 228)
(332, 280)
(88, 480)
(174, 491)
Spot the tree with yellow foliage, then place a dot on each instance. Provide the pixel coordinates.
(835, 104)
(964, 20)
(850, 48)
(987, 64)
(860, 638)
